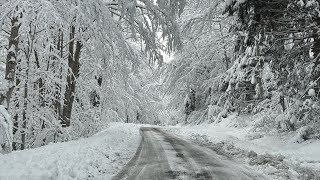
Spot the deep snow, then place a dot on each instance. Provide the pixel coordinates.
(98, 157)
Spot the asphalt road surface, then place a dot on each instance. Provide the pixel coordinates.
(163, 156)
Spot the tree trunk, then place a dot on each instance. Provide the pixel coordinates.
(16, 117)
(40, 82)
(11, 60)
(57, 96)
(282, 103)
(24, 114)
(73, 74)
(41, 87)
(28, 54)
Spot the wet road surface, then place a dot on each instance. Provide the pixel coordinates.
(163, 156)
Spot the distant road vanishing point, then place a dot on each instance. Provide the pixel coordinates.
(163, 156)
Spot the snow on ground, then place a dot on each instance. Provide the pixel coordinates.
(264, 146)
(98, 157)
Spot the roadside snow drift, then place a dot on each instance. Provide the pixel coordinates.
(258, 148)
(97, 157)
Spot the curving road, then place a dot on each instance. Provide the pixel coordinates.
(163, 156)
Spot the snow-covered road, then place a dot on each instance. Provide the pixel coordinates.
(164, 156)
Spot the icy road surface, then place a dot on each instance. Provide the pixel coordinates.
(164, 156)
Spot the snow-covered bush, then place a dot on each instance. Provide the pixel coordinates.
(174, 117)
(306, 114)
(196, 117)
(213, 112)
(264, 122)
(267, 104)
(222, 114)
(302, 135)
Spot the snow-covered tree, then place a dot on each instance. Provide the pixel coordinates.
(193, 77)
(275, 41)
(70, 63)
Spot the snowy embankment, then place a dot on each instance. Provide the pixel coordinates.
(98, 157)
(274, 154)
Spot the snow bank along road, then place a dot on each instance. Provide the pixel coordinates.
(98, 157)
(164, 156)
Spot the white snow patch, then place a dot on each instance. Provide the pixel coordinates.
(301, 3)
(311, 92)
(311, 3)
(98, 157)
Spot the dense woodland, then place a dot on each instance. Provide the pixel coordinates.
(71, 66)
(258, 57)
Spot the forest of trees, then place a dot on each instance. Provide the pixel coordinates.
(251, 57)
(71, 66)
